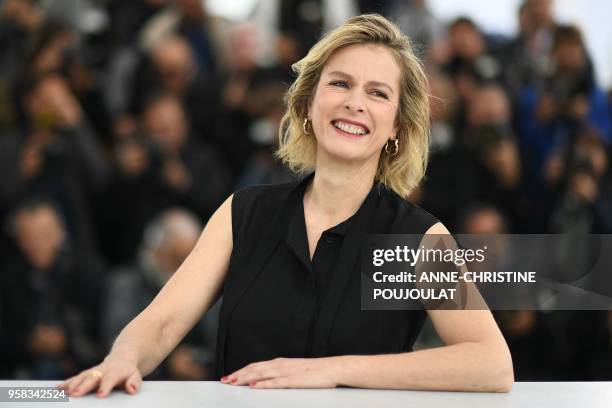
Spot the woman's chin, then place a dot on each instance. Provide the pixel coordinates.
(347, 154)
(353, 149)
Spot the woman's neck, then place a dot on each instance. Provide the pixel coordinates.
(337, 191)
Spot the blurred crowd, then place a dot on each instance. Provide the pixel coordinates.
(124, 124)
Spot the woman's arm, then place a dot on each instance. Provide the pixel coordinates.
(475, 358)
(183, 300)
(157, 330)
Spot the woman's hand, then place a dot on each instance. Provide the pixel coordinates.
(288, 373)
(114, 371)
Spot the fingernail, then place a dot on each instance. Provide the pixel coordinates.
(234, 380)
(253, 384)
(224, 379)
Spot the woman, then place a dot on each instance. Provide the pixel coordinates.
(284, 256)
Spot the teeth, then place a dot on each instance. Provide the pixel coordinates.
(356, 130)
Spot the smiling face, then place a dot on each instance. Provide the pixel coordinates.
(355, 103)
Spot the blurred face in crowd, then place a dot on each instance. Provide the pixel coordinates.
(180, 237)
(39, 235)
(287, 50)
(488, 221)
(525, 24)
(465, 41)
(242, 47)
(489, 106)
(175, 64)
(51, 58)
(355, 103)
(192, 9)
(484, 221)
(569, 56)
(165, 124)
(174, 251)
(539, 12)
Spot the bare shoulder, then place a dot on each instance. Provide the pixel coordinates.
(217, 234)
(437, 228)
(222, 218)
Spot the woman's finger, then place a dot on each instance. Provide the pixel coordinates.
(279, 382)
(233, 377)
(266, 373)
(89, 383)
(262, 369)
(132, 384)
(66, 384)
(108, 383)
(76, 384)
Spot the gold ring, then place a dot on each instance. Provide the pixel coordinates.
(95, 373)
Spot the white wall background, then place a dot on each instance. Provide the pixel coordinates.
(594, 17)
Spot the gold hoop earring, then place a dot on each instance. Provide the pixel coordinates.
(305, 125)
(395, 147)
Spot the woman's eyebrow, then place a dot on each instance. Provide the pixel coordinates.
(348, 76)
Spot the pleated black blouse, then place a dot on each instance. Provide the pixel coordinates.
(279, 303)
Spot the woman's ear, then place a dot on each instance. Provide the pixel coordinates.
(395, 130)
(309, 104)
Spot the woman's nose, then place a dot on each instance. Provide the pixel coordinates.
(354, 102)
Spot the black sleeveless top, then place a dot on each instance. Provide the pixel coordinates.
(279, 303)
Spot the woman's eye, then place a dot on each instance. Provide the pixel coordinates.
(380, 94)
(339, 83)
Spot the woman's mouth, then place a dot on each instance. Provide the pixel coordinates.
(350, 129)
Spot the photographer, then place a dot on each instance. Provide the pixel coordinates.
(50, 296)
(56, 153)
(165, 166)
(569, 101)
(579, 204)
(487, 152)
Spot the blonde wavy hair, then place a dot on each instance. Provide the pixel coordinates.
(401, 172)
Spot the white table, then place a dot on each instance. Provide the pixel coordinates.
(214, 394)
